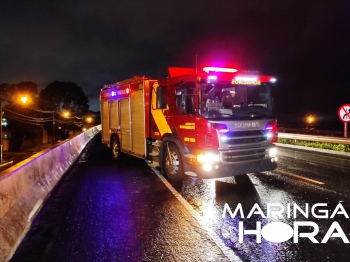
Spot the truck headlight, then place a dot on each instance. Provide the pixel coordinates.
(208, 158)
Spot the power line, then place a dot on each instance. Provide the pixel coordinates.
(29, 117)
(42, 120)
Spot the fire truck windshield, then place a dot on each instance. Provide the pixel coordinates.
(236, 101)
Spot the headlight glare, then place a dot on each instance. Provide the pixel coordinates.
(272, 152)
(208, 158)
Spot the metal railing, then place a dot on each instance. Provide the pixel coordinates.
(315, 138)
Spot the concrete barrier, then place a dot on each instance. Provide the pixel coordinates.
(25, 186)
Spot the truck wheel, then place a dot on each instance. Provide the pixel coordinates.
(116, 148)
(173, 163)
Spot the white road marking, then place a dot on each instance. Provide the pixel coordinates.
(300, 177)
(226, 250)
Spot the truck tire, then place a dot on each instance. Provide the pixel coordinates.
(116, 153)
(173, 163)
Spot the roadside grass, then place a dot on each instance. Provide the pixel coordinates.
(322, 145)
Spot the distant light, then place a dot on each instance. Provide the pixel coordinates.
(212, 77)
(219, 69)
(127, 90)
(4, 122)
(114, 93)
(273, 80)
(311, 119)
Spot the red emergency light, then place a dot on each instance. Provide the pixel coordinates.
(272, 131)
(219, 69)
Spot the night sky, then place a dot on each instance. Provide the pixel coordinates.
(305, 44)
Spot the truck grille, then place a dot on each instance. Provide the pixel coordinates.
(244, 146)
(243, 155)
(245, 137)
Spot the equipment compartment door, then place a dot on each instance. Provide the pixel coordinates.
(138, 123)
(125, 128)
(114, 115)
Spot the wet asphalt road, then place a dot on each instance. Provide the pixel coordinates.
(108, 211)
(281, 188)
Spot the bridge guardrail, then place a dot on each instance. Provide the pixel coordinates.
(25, 186)
(314, 138)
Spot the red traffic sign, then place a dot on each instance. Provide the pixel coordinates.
(344, 113)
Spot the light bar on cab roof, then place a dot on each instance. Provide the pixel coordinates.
(212, 78)
(219, 69)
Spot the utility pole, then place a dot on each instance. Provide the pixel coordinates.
(0, 130)
(53, 127)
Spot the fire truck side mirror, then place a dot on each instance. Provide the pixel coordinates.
(161, 97)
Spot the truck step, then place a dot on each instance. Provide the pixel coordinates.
(190, 173)
(156, 148)
(154, 153)
(157, 143)
(153, 164)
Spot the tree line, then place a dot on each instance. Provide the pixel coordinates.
(42, 109)
(57, 96)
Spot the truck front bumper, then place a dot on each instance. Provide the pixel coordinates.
(217, 170)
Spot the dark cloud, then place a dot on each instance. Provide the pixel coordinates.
(92, 43)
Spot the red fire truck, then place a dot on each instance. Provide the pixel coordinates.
(216, 122)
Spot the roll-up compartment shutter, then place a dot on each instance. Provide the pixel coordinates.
(113, 107)
(138, 123)
(125, 127)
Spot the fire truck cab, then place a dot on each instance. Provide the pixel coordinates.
(214, 123)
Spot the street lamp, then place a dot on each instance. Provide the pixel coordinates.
(66, 114)
(24, 99)
(89, 120)
(310, 120)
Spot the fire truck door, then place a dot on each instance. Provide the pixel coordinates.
(125, 127)
(105, 122)
(138, 123)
